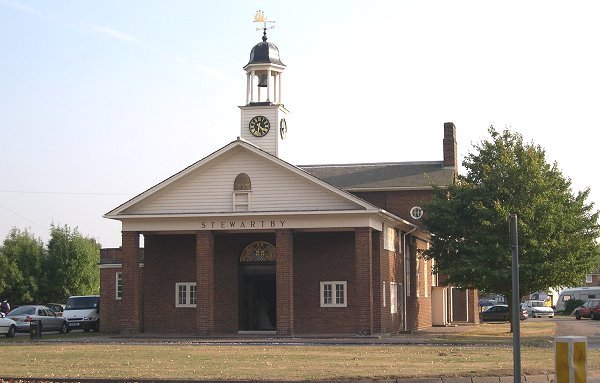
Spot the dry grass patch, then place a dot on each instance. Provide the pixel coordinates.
(170, 361)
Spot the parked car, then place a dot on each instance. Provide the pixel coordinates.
(23, 315)
(58, 308)
(83, 312)
(590, 309)
(538, 309)
(499, 313)
(8, 326)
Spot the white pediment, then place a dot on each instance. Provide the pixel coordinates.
(207, 188)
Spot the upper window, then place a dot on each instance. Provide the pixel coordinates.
(588, 278)
(389, 238)
(185, 294)
(416, 212)
(242, 190)
(118, 284)
(333, 294)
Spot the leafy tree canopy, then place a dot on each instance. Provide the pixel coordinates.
(557, 230)
(71, 264)
(21, 257)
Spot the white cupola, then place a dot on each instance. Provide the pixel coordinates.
(263, 118)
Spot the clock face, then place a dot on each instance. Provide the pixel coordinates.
(282, 128)
(259, 126)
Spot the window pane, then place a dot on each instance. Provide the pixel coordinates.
(339, 294)
(182, 294)
(327, 296)
(193, 290)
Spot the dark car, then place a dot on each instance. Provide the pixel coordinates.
(499, 313)
(590, 309)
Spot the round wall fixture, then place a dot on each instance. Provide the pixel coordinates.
(416, 212)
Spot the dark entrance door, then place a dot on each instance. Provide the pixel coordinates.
(257, 305)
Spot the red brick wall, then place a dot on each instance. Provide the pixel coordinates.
(168, 259)
(131, 301)
(320, 257)
(398, 202)
(205, 278)
(284, 263)
(110, 307)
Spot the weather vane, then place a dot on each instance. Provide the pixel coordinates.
(260, 17)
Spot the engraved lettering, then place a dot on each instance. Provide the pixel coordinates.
(222, 225)
(212, 224)
(232, 223)
(272, 223)
(282, 223)
(252, 223)
(242, 224)
(263, 223)
(204, 225)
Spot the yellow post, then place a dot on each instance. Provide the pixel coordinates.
(570, 359)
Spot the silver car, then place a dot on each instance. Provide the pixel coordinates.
(8, 327)
(23, 315)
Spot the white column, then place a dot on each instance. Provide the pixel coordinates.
(279, 83)
(252, 86)
(275, 98)
(268, 85)
(248, 87)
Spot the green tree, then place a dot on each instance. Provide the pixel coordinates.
(21, 256)
(558, 230)
(71, 265)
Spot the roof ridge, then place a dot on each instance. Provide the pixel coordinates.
(373, 164)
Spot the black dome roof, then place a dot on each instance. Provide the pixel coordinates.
(265, 52)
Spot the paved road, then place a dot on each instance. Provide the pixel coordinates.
(584, 327)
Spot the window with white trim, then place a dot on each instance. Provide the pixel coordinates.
(588, 278)
(185, 294)
(389, 238)
(393, 298)
(416, 212)
(242, 193)
(334, 294)
(383, 292)
(118, 285)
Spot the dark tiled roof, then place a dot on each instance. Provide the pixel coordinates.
(383, 175)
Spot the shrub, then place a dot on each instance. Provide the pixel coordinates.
(571, 305)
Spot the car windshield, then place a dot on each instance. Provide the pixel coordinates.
(81, 303)
(23, 311)
(537, 304)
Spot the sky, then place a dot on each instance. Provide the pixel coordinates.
(101, 100)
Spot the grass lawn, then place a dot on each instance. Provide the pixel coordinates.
(289, 362)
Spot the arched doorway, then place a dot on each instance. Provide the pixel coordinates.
(257, 303)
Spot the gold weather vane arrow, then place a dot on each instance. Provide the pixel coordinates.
(259, 17)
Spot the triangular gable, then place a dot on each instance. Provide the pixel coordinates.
(206, 187)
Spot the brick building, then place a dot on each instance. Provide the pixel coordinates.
(244, 242)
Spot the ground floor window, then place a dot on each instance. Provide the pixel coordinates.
(393, 297)
(333, 294)
(185, 294)
(118, 284)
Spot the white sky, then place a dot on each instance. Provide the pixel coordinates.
(100, 100)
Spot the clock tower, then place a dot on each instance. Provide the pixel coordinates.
(264, 116)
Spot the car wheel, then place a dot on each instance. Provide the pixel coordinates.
(11, 332)
(63, 328)
(577, 316)
(97, 326)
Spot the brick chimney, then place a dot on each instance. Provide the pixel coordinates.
(450, 145)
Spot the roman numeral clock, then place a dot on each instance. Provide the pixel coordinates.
(264, 117)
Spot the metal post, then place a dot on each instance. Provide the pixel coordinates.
(516, 306)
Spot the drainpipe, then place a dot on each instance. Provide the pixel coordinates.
(405, 250)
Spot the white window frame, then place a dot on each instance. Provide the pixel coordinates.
(389, 238)
(189, 296)
(416, 212)
(333, 285)
(242, 204)
(393, 298)
(118, 285)
(588, 278)
(383, 293)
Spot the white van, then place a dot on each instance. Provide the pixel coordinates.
(83, 312)
(582, 293)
